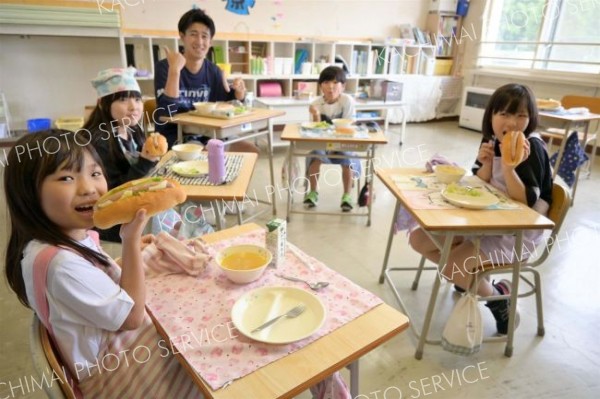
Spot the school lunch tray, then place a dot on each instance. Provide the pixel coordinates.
(233, 165)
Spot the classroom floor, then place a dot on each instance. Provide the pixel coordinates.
(564, 363)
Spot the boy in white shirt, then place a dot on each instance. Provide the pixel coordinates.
(332, 105)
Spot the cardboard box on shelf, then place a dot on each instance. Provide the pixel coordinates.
(386, 90)
(303, 87)
(443, 67)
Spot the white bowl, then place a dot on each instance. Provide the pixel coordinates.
(205, 107)
(342, 122)
(448, 173)
(253, 272)
(187, 152)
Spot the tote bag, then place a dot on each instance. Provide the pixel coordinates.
(463, 332)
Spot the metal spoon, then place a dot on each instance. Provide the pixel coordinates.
(313, 286)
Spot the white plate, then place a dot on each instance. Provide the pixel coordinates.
(258, 306)
(467, 201)
(190, 168)
(314, 126)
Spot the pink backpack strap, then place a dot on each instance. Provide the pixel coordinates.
(40, 283)
(41, 264)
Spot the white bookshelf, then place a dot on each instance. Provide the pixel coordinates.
(365, 60)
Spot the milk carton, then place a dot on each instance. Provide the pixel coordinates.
(276, 241)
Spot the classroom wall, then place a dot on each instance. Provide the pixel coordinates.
(305, 18)
(50, 77)
(54, 72)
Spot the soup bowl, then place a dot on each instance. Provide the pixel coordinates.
(244, 264)
(448, 173)
(187, 151)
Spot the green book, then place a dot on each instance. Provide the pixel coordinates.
(219, 57)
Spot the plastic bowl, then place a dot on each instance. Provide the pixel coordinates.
(35, 125)
(342, 122)
(187, 152)
(205, 107)
(449, 173)
(248, 270)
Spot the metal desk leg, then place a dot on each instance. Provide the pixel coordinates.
(389, 244)
(218, 214)
(270, 149)
(402, 135)
(289, 160)
(180, 133)
(369, 176)
(433, 298)
(353, 367)
(514, 294)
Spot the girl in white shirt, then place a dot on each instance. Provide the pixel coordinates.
(94, 310)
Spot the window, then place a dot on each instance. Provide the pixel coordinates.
(558, 35)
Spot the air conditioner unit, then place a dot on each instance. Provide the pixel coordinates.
(474, 101)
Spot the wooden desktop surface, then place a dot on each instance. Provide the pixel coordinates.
(464, 219)
(296, 372)
(257, 114)
(291, 132)
(235, 190)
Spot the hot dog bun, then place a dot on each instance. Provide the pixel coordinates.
(512, 147)
(547, 103)
(119, 205)
(156, 145)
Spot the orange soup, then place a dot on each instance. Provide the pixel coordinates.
(243, 261)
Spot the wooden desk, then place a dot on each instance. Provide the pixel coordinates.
(297, 110)
(296, 372)
(234, 191)
(568, 123)
(255, 124)
(301, 146)
(446, 224)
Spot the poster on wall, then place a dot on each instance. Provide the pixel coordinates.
(240, 7)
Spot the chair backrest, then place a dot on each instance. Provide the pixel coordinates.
(45, 359)
(591, 103)
(561, 203)
(149, 108)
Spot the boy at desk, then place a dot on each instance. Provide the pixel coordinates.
(332, 105)
(183, 79)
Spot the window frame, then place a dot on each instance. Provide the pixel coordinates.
(540, 60)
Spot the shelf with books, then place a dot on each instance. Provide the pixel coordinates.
(444, 29)
(264, 59)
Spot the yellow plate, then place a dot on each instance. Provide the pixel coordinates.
(258, 306)
(190, 168)
(485, 200)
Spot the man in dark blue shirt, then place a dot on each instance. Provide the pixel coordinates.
(183, 79)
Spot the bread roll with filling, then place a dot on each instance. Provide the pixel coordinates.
(513, 147)
(119, 205)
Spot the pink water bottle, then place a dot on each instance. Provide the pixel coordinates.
(216, 161)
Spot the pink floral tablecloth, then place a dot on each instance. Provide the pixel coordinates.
(195, 312)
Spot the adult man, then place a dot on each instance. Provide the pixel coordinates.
(183, 79)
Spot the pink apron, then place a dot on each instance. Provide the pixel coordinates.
(131, 364)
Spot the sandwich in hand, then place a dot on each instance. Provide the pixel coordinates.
(119, 205)
(513, 147)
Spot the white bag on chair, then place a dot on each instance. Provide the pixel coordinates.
(463, 332)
